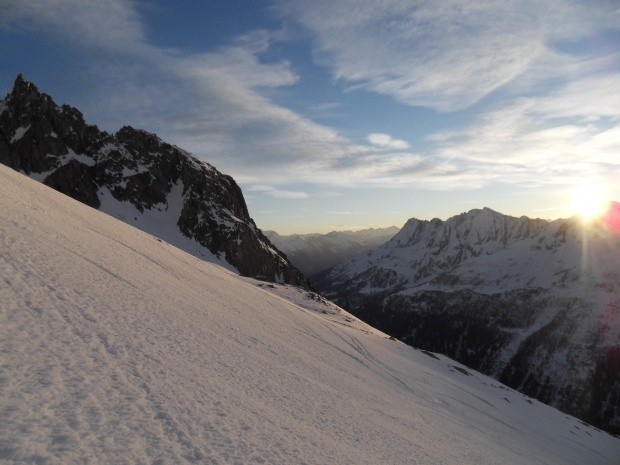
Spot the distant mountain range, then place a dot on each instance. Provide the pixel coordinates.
(313, 253)
(138, 178)
(533, 303)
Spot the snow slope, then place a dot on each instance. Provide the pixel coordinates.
(116, 347)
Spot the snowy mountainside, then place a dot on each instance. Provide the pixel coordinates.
(486, 252)
(533, 303)
(140, 179)
(116, 347)
(313, 253)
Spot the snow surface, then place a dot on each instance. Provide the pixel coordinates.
(116, 347)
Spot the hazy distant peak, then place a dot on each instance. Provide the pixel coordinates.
(314, 252)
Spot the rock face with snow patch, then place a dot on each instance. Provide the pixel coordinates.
(139, 178)
(533, 303)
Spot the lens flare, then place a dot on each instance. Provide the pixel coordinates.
(611, 217)
(589, 204)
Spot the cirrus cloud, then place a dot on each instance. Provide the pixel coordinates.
(277, 193)
(447, 55)
(216, 103)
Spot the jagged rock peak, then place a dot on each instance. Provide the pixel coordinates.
(20, 86)
(129, 132)
(20, 83)
(26, 92)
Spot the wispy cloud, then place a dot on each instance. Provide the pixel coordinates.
(113, 26)
(588, 98)
(562, 138)
(325, 106)
(277, 193)
(387, 141)
(209, 103)
(344, 213)
(444, 55)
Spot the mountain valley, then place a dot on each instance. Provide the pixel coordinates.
(313, 253)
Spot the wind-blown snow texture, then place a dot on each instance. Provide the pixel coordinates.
(138, 178)
(116, 347)
(533, 303)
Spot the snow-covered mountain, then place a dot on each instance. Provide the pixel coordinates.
(116, 347)
(313, 253)
(138, 178)
(533, 303)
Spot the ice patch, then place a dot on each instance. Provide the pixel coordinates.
(41, 176)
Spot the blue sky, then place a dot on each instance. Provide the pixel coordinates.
(344, 114)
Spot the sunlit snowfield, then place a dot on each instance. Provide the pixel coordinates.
(116, 347)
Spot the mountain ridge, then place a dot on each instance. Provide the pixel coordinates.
(132, 174)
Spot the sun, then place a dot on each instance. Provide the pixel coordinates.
(589, 203)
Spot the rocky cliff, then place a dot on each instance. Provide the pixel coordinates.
(138, 178)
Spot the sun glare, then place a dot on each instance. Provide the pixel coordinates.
(589, 203)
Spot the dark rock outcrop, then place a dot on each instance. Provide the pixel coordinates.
(76, 180)
(56, 146)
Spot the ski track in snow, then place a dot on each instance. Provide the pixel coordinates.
(116, 347)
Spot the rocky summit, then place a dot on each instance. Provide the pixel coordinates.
(533, 303)
(139, 178)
